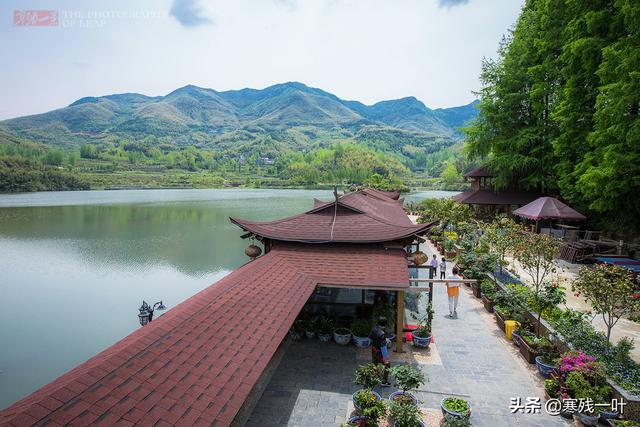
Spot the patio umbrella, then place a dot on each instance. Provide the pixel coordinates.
(548, 208)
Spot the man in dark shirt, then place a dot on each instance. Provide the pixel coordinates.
(379, 350)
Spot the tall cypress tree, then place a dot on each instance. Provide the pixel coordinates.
(609, 174)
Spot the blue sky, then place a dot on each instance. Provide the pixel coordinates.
(367, 50)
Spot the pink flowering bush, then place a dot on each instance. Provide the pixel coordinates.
(578, 361)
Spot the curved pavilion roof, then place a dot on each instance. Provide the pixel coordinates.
(364, 216)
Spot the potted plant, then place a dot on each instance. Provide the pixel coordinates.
(368, 376)
(310, 327)
(582, 378)
(548, 353)
(451, 421)
(524, 325)
(360, 329)
(449, 252)
(297, 330)
(342, 336)
(421, 336)
(455, 407)
(408, 378)
(324, 328)
(529, 346)
(501, 314)
(475, 286)
(551, 388)
(359, 421)
(406, 415)
(488, 289)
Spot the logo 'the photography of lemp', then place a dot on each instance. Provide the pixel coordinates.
(79, 18)
(35, 18)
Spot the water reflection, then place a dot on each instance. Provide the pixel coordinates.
(75, 266)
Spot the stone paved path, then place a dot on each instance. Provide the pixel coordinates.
(313, 384)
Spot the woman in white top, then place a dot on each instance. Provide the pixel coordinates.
(453, 291)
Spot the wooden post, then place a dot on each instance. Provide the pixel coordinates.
(399, 321)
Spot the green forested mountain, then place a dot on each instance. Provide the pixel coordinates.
(559, 107)
(286, 112)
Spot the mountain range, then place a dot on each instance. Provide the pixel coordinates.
(290, 112)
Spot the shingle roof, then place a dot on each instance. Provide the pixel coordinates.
(479, 172)
(197, 363)
(490, 197)
(361, 217)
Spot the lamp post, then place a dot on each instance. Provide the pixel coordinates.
(146, 311)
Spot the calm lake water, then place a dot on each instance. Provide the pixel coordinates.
(75, 266)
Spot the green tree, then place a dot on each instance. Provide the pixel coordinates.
(450, 174)
(88, 151)
(609, 175)
(54, 157)
(610, 291)
(536, 254)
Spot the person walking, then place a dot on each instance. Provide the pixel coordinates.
(453, 291)
(434, 265)
(443, 268)
(379, 349)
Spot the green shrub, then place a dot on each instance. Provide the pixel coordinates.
(369, 375)
(454, 404)
(361, 327)
(408, 377)
(488, 288)
(405, 415)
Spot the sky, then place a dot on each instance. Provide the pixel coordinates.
(364, 50)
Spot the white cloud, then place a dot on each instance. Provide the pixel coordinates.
(189, 13)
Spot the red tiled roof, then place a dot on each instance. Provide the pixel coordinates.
(393, 195)
(198, 363)
(490, 197)
(479, 172)
(361, 217)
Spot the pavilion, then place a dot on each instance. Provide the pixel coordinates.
(483, 197)
(205, 358)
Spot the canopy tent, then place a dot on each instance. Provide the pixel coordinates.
(548, 208)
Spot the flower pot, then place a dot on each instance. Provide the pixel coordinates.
(446, 411)
(362, 421)
(544, 369)
(527, 352)
(476, 289)
(295, 335)
(407, 395)
(499, 320)
(355, 404)
(587, 420)
(361, 342)
(488, 304)
(420, 342)
(607, 415)
(421, 424)
(449, 254)
(310, 334)
(324, 337)
(515, 337)
(342, 336)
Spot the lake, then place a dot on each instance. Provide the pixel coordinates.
(75, 266)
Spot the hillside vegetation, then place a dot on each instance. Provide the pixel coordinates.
(281, 135)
